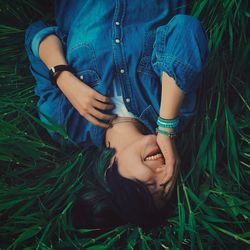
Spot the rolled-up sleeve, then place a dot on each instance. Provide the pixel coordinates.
(181, 50)
(34, 35)
(52, 102)
(39, 37)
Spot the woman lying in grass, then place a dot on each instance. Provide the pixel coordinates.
(130, 84)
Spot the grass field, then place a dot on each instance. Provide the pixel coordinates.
(39, 179)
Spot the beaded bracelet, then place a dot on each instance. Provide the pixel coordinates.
(168, 123)
(170, 134)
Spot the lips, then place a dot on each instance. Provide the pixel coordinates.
(154, 151)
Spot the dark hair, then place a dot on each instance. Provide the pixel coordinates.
(133, 200)
(108, 202)
(93, 207)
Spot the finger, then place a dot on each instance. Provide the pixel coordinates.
(94, 112)
(168, 182)
(94, 121)
(102, 106)
(170, 167)
(170, 187)
(100, 97)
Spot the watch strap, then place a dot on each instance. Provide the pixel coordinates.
(55, 71)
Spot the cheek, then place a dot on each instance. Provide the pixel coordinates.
(142, 173)
(131, 162)
(135, 169)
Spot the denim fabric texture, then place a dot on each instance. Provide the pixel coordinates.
(125, 42)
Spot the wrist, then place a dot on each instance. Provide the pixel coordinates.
(63, 77)
(164, 137)
(167, 129)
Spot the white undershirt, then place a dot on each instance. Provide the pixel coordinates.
(120, 108)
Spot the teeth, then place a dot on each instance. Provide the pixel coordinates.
(153, 157)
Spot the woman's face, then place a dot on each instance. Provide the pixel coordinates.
(133, 163)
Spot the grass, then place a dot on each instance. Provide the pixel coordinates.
(39, 179)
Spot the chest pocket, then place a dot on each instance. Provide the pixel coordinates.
(144, 66)
(83, 60)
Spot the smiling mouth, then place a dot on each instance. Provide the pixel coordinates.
(154, 157)
(154, 154)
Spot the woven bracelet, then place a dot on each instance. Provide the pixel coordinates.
(170, 134)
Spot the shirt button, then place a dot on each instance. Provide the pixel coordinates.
(122, 71)
(117, 23)
(127, 99)
(81, 77)
(117, 40)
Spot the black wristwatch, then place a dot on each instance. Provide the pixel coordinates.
(55, 71)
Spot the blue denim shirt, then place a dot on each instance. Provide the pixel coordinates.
(126, 42)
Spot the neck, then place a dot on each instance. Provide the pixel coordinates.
(117, 136)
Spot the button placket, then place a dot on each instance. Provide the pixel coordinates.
(119, 57)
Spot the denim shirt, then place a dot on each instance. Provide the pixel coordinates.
(129, 43)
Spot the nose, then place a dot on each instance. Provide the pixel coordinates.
(151, 139)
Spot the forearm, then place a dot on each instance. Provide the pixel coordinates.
(51, 51)
(171, 98)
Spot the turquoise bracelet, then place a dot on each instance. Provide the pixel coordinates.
(168, 120)
(168, 123)
(171, 134)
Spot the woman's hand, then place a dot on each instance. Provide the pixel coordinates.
(85, 99)
(171, 100)
(172, 159)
